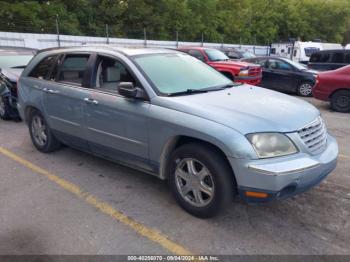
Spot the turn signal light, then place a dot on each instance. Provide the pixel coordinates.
(256, 194)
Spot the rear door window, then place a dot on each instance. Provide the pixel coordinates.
(316, 57)
(44, 68)
(73, 69)
(279, 65)
(325, 57)
(262, 62)
(338, 57)
(347, 58)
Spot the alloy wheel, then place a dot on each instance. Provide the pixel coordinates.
(39, 130)
(305, 89)
(194, 182)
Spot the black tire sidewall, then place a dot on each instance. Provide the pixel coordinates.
(334, 99)
(223, 179)
(6, 115)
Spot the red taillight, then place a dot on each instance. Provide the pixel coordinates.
(317, 80)
(254, 71)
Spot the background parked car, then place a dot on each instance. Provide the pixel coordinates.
(329, 59)
(334, 86)
(12, 62)
(235, 70)
(233, 53)
(284, 75)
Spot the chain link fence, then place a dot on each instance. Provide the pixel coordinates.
(52, 34)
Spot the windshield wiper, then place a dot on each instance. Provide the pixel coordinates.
(204, 90)
(188, 91)
(19, 67)
(217, 60)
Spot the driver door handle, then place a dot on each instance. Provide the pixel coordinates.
(50, 91)
(90, 101)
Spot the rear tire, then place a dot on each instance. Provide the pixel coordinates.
(41, 135)
(305, 89)
(340, 101)
(201, 180)
(4, 108)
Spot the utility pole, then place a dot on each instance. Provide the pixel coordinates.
(177, 39)
(58, 31)
(202, 39)
(107, 34)
(145, 36)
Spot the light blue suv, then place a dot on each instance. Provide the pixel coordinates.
(172, 116)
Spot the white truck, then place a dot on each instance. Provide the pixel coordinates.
(300, 51)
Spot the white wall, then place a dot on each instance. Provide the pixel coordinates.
(41, 41)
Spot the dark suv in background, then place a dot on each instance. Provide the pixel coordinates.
(329, 59)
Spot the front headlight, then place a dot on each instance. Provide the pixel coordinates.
(244, 72)
(271, 144)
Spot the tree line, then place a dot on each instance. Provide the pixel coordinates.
(227, 21)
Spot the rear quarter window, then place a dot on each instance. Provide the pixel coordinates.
(338, 57)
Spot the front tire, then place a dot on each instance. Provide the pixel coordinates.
(340, 101)
(41, 135)
(200, 179)
(4, 108)
(305, 89)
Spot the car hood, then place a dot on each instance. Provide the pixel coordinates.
(246, 109)
(12, 74)
(311, 71)
(231, 63)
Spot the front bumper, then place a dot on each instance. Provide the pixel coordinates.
(283, 177)
(251, 80)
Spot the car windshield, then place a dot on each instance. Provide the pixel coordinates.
(297, 65)
(310, 50)
(216, 55)
(8, 61)
(176, 72)
(248, 55)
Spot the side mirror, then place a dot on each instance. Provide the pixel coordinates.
(128, 90)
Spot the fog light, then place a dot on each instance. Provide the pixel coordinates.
(256, 194)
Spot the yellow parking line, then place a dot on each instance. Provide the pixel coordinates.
(344, 156)
(105, 208)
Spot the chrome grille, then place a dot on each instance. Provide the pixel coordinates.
(314, 136)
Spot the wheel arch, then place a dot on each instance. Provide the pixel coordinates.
(177, 141)
(337, 90)
(28, 111)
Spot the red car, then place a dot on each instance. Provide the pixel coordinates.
(238, 71)
(334, 86)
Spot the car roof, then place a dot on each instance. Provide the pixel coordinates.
(9, 50)
(128, 51)
(332, 50)
(196, 48)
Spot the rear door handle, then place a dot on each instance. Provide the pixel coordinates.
(50, 91)
(91, 101)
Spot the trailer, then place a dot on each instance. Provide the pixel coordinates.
(299, 51)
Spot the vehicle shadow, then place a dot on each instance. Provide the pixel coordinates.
(22, 241)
